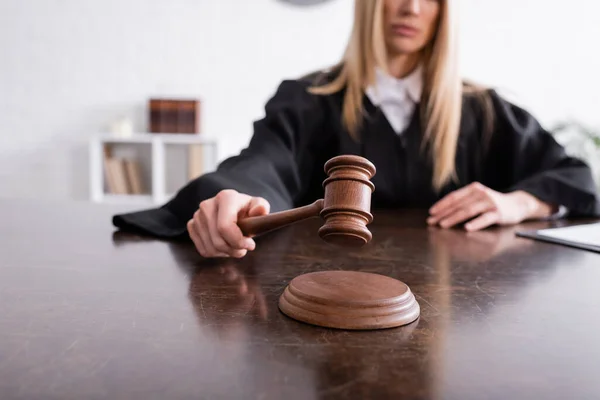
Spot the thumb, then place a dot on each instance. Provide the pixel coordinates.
(258, 206)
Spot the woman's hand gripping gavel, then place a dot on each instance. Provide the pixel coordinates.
(224, 225)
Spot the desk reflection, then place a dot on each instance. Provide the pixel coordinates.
(227, 292)
(468, 285)
(477, 246)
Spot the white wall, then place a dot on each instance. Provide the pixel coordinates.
(69, 67)
(543, 54)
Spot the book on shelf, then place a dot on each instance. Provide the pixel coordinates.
(195, 161)
(134, 176)
(123, 176)
(174, 115)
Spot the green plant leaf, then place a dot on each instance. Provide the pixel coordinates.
(575, 126)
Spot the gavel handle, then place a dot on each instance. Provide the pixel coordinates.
(256, 225)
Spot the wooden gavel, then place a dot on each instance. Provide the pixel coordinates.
(345, 207)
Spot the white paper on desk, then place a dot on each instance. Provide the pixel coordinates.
(588, 234)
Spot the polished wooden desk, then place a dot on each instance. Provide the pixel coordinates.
(89, 314)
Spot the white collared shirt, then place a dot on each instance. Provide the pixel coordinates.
(397, 98)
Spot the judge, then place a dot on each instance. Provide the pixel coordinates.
(396, 98)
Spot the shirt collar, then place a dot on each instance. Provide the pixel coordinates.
(387, 86)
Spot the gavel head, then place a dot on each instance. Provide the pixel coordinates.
(347, 201)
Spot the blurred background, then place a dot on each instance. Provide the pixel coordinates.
(77, 77)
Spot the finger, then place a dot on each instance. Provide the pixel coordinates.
(455, 197)
(450, 199)
(197, 239)
(255, 208)
(219, 227)
(464, 213)
(191, 226)
(258, 206)
(483, 221)
(215, 236)
(202, 220)
(465, 203)
(219, 243)
(226, 228)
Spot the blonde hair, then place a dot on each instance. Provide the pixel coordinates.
(443, 88)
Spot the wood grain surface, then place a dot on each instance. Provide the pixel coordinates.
(89, 313)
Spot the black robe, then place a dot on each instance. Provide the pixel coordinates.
(301, 131)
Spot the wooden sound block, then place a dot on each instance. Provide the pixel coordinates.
(349, 300)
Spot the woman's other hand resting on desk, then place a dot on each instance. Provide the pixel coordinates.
(486, 207)
(214, 229)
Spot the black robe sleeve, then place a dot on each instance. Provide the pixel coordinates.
(276, 165)
(525, 156)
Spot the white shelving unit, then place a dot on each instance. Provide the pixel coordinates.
(158, 143)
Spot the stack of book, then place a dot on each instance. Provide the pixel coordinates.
(174, 115)
(123, 176)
